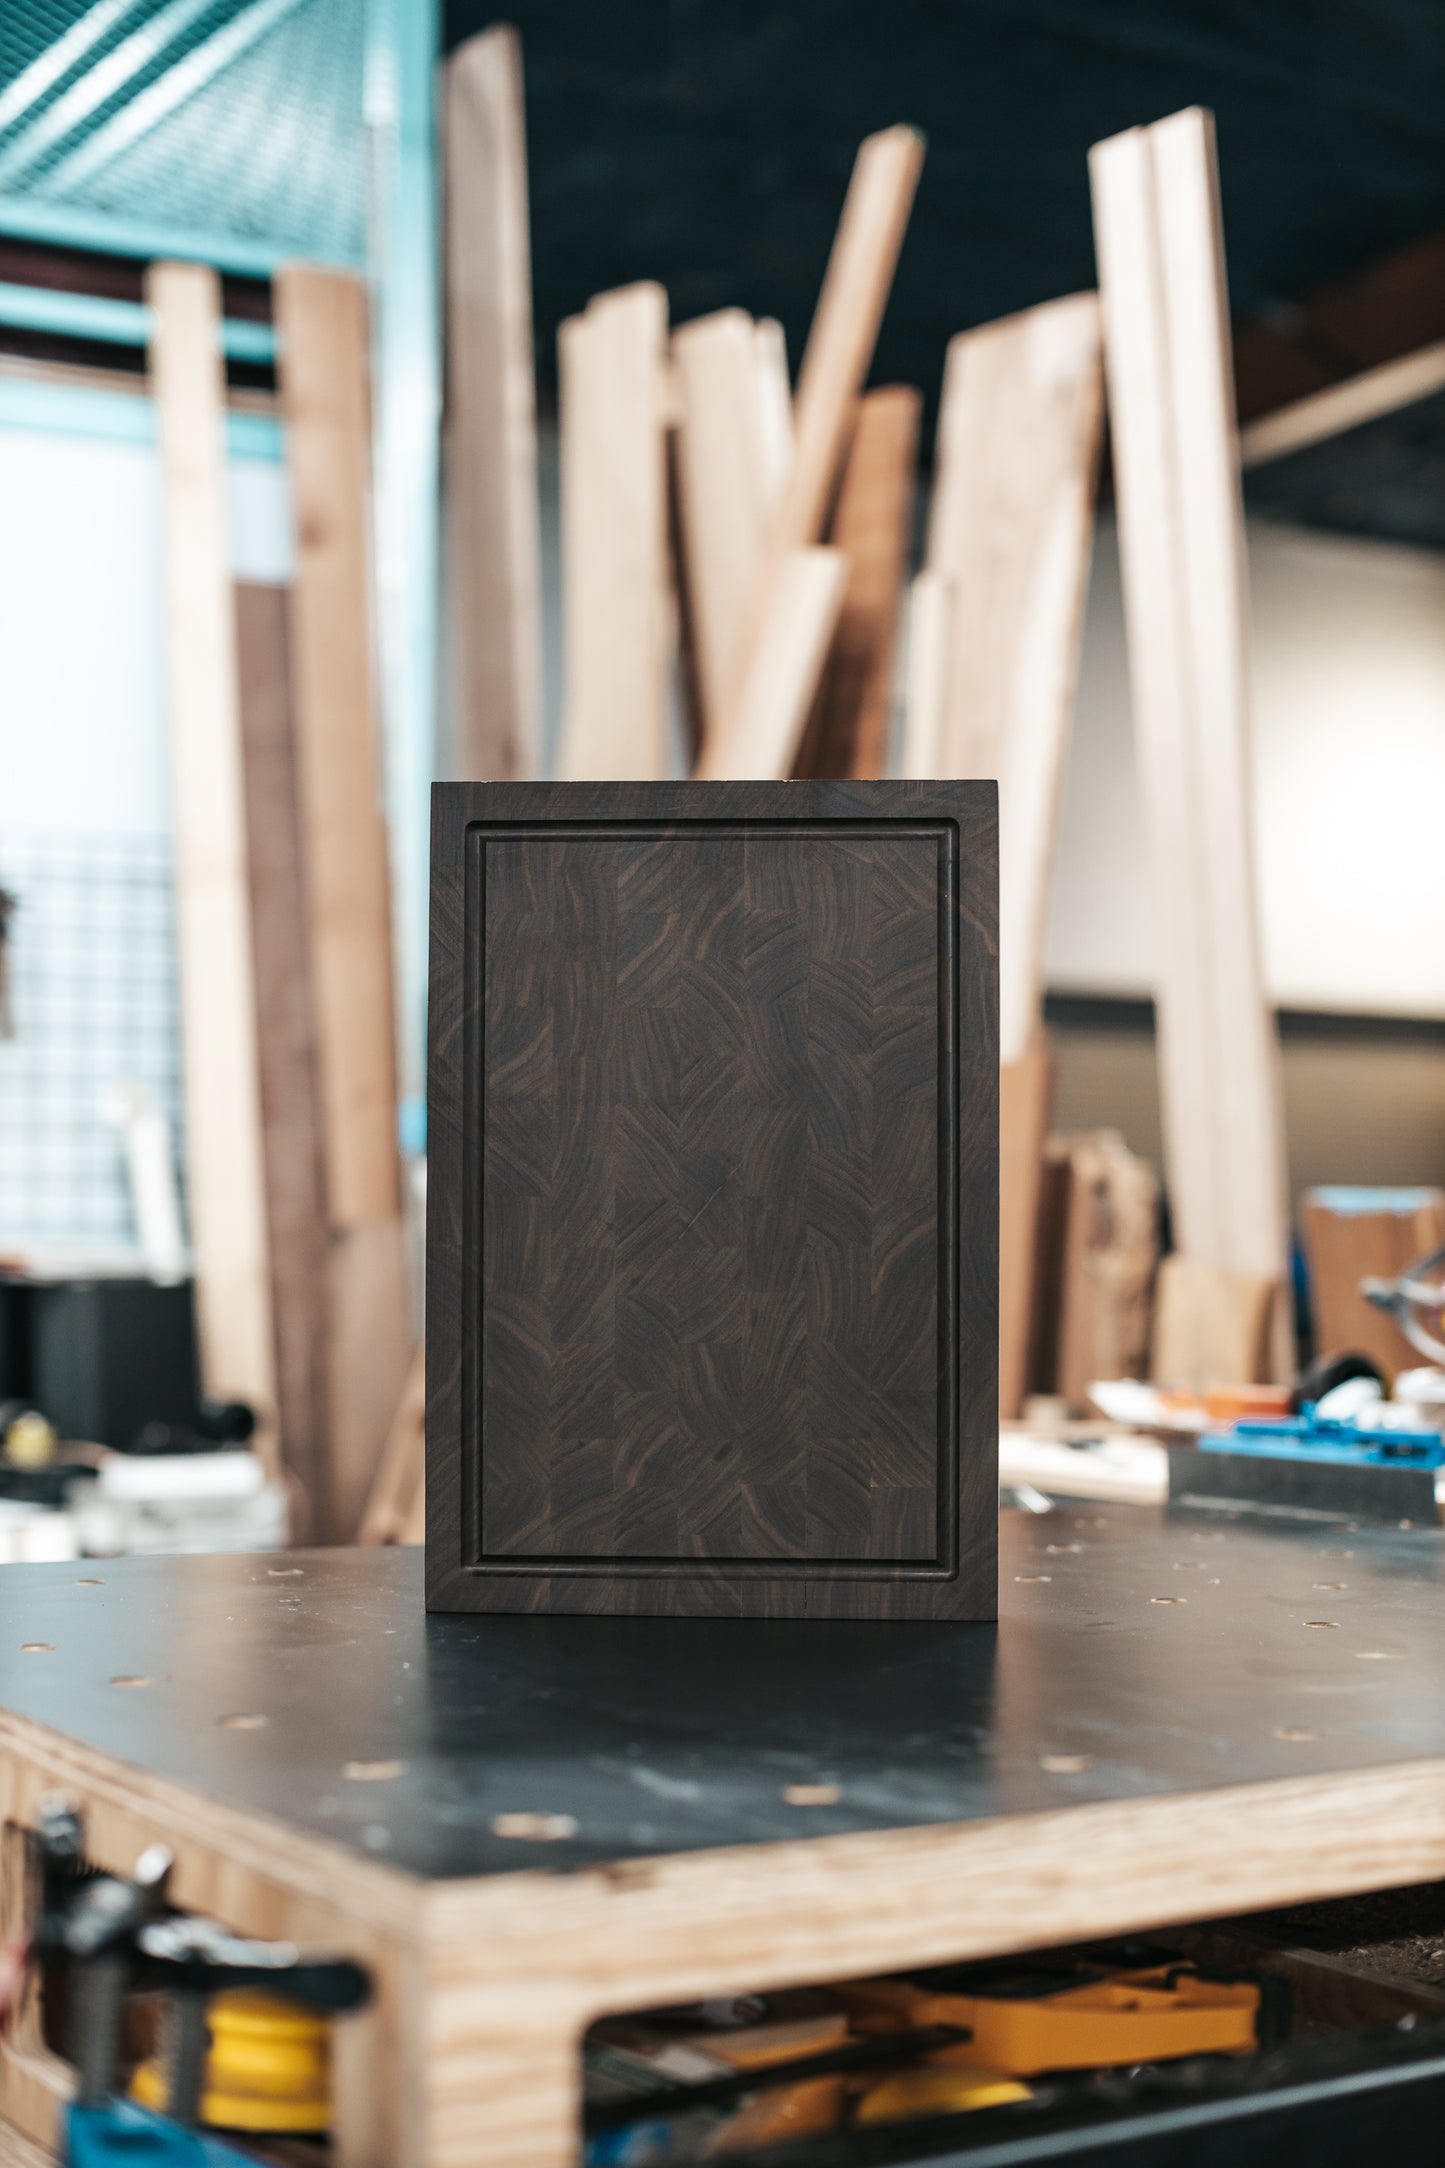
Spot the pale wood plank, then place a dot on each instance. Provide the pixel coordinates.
(225, 1172)
(723, 491)
(391, 1508)
(929, 601)
(1011, 528)
(847, 733)
(490, 442)
(775, 406)
(617, 619)
(845, 328)
(1182, 546)
(286, 1037)
(835, 364)
(1213, 1327)
(762, 737)
(321, 317)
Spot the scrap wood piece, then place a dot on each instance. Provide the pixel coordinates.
(1104, 1228)
(1181, 532)
(762, 739)
(1011, 530)
(400, 1476)
(1354, 1234)
(617, 614)
(929, 603)
(1024, 1092)
(225, 1172)
(321, 317)
(845, 328)
(725, 490)
(847, 732)
(775, 407)
(1213, 1327)
(286, 1038)
(494, 575)
(835, 364)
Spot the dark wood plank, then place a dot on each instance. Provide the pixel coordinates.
(713, 1257)
(286, 1050)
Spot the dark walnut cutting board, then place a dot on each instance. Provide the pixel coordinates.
(713, 1199)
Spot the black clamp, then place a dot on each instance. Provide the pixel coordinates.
(117, 1937)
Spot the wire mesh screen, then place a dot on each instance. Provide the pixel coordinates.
(234, 118)
(93, 1007)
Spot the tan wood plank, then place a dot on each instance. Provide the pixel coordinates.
(390, 1510)
(225, 1171)
(1024, 1094)
(1345, 1245)
(1182, 547)
(762, 738)
(847, 733)
(1329, 413)
(616, 608)
(845, 328)
(490, 441)
(286, 1037)
(1011, 528)
(1212, 1327)
(835, 364)
(321, 318)
(723, 490)
(1110, 1252)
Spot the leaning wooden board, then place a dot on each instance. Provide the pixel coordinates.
(1181, 536)
(712, 1242)
(225, 1175)
(324, 381)
(737, 1805)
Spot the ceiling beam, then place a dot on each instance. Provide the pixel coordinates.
(1329, 413)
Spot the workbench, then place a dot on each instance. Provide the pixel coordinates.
(521, 1823)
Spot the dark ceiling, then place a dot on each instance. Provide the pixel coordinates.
(708, 145)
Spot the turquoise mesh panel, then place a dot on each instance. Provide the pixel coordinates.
(234, 118)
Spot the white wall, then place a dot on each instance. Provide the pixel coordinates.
(1349, 745)
(82, 656)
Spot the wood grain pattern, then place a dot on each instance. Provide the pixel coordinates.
(715, 1329)
(286, 1044)
(225, 1174)
(494, 569)
(847, 731)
